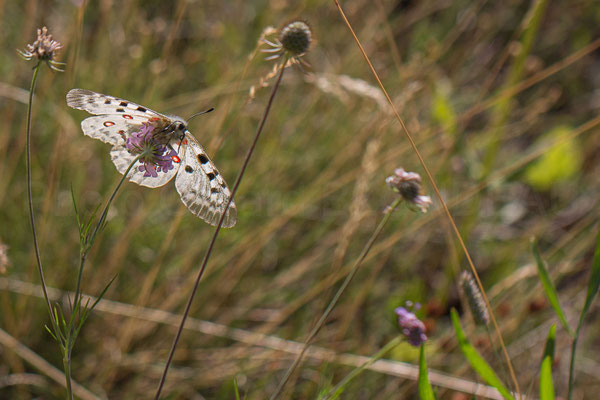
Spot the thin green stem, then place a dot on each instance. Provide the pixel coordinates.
(88, 246)
(572, 365)
(67, 368)
(30, 197)
(76, 311)
(214, 237)
(337, 390)
(336, 298)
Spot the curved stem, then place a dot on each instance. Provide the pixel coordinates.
(76, 311)
(440, 198)
(336, 298)
(30, 196)
(214, 237)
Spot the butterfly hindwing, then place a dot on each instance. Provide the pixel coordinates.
(110, 128)
(202, 189)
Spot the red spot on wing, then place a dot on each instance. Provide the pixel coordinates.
(154, 119)
(184, 141)
(108, 123)
(176, 159)
(127, 116)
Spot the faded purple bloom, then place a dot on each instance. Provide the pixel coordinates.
(155, 158)
(44, 49)
(411, 326)
(408, 184)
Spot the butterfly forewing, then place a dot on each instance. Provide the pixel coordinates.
(101, 104)
(201, 187)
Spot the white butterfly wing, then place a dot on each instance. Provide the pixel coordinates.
(202, 189)
(102, 104)
(109, 129)
(122, 158)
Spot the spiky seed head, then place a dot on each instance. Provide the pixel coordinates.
(296, 38)
(474, 299)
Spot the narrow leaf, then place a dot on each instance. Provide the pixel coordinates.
(594, 282)
(477, 362)
(425, 390)
(546, 384)
(549, 287)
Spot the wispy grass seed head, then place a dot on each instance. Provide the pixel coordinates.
(408, 185)
(474, 299)
(44, 49)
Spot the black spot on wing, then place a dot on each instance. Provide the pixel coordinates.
(211, 176)
(123, 104)
(120, 110)
(202, 158)
(142, 109)
(214, 190)
(107, 101)
(189, 169)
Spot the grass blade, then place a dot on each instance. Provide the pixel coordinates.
(477, 362)
(549, 287)
(425, 390)
(546, 384)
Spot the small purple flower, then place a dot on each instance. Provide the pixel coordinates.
(408, 184)
(155, 158)
(411, 326)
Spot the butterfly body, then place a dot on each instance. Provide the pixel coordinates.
(126, 126)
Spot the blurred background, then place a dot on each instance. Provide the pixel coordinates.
(501, 97)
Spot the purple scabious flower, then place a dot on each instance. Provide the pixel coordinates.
(408, 184)
(411, 326)
(156, 157)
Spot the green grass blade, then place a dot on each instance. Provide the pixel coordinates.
(425, 390)
(594, 282)
(593, 285)
(477, 362)
(549, 287)
(546, 384)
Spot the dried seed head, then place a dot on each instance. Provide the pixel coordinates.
(44, 49)
(474, 299)
(408, 185)
(296, 38)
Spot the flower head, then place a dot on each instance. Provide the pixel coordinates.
(412, 327)
(156, 156)
(44, 49)
(294, 40)
(408, 184)
(474, 299)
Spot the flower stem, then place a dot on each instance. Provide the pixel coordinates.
(76, 311)
(336, 298)
(337, 390)
(29, 194)
(214, 237)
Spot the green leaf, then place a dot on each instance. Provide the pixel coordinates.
(546, 384)
(425, 390)
(560, 163)
(477, 362)
(549, 287)
(594, 282)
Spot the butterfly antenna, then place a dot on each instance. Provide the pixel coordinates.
(200, 113)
